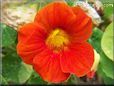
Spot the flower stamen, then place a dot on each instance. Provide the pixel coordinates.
(57, 39)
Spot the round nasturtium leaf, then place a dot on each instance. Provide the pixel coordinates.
(14, 70)
(107, 42)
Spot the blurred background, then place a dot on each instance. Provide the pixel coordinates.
(15, 13)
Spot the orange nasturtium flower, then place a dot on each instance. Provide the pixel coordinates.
(55, 44)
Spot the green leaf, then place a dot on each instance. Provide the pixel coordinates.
(107, 80)
(2, 80)
(107, 42)
(35, 79)
(107, 64)
(24, 72)
(95, 39)
(8, 35)
(14, 70)
(70, 2)
(0, 37)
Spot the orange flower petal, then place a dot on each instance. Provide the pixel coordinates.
(55, 15)
(81, 28)
(30, 41)
(78, 59)
(73, 20)
(47, 65)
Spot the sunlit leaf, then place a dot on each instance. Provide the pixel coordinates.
(107, 42)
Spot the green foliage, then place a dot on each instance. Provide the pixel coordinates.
(107, 1)
(35, 80)
(107, 80)
(9, 35)
(95, 39)
(2, 80)
(106, 64)
(108, 10)
(0, 37)
(70, 2)
(14, 70)
(107, 42)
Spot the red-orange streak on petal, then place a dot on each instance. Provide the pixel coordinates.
(78, 59)
(47, 65)
(30, 41)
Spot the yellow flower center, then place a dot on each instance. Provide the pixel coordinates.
(57, 40)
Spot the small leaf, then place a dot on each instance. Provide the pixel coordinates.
(107, 42)
(8, 35)
(14, 70)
